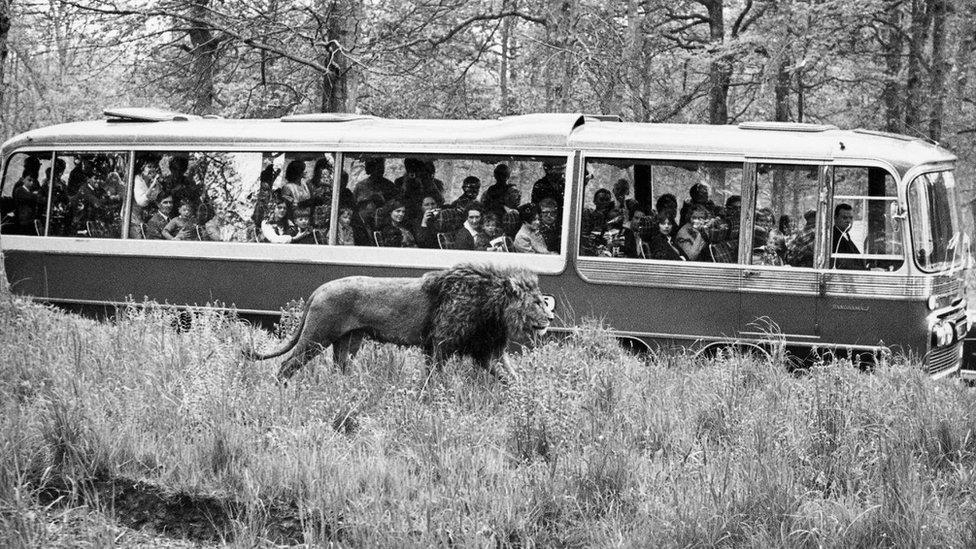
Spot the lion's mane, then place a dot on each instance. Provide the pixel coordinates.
(475, 309)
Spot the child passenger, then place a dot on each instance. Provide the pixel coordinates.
(183, 226)
(660, 244)
(345, 234)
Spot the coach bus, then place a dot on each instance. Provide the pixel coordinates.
(690, 236)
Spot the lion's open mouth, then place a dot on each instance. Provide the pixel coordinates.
(541, 329)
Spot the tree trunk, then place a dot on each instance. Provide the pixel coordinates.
(4, 31)
(720, 69)
(893, 45)
(921, 19)
(782, 92)
(559, 81)
(633, 60)
(504, 99)
(340, 83)
(203, 50)
(940, 68)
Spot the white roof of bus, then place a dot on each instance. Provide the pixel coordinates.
(533, 131)
(759, 140)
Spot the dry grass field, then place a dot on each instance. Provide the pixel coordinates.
(127, 433)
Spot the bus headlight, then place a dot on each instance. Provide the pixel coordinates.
(943, 334)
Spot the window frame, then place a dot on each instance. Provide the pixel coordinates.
(897, 198)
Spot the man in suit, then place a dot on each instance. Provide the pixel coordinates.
(841, 243)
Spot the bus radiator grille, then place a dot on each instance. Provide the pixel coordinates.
(943, 359)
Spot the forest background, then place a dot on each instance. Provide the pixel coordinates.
(903, 66)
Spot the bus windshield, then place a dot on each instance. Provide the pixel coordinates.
(936, 236)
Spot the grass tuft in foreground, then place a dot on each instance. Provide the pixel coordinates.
(135, 421)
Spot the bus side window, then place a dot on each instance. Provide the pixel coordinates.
(863, 235)
(619, 219)
(784, 227)
(88, 196)
(455, 202)
(24, 194)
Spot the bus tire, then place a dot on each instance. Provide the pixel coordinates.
(713, 349)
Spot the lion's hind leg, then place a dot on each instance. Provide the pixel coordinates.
(345, 347)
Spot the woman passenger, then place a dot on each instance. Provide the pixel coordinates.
(691, 237)
(395, 233)
(426, 228)
(660, 243)
(278, 227)
(497, 240)
(320, 184)
(294, 190)
(529, 240)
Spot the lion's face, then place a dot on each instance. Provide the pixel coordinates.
(538, 316)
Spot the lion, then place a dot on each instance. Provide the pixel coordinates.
(467, 310)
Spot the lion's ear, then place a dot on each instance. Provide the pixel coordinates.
(511, 286)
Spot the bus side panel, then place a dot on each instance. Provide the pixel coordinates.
(857, 321)
(250, 285)
(25, 272)
(659, 313)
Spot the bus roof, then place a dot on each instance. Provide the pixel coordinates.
(761, 140)
(539, 131)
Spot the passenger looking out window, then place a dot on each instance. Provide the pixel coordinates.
(160, 218)
(661, 244)
(799, 245)
(550, 224)
(691, 238)
(345, 233)
(394, 232)
(279, 228)
(497, 240)
(768, 245)
(621, 202)
(294, 191)
(92, 206)
(470, 188)
(511, 218)
(698, 197)
(146, 187)
(375, 183)
(471, 236)
(181, 185)
(425, 230)
(529, 240)
(667, 204)
(303, 226)
(264, 199)
(60, 201)
(551, 185)
(29, 202)
(364, 222)
(493, 198)
(183, 226)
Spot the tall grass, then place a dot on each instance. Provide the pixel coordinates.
(591, 447)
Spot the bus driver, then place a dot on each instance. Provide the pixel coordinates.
(841, 242)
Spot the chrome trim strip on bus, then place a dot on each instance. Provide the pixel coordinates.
(663, 274)
(362, 256)
(758, 340)
(777, 280)
(777, 336)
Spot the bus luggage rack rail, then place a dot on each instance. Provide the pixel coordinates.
(942, 359)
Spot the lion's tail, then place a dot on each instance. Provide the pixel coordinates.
(251, 354)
